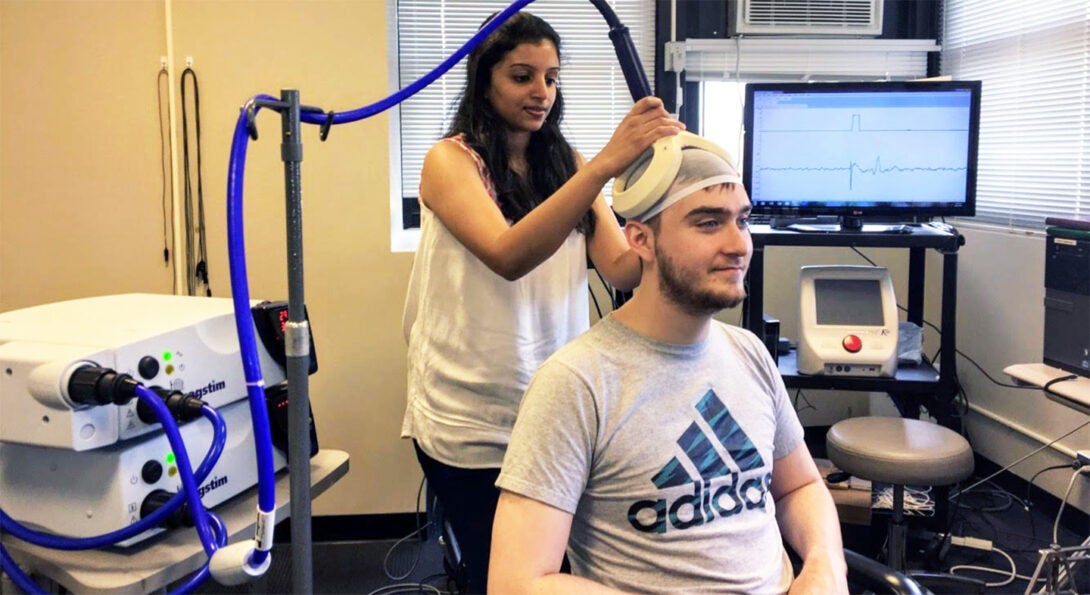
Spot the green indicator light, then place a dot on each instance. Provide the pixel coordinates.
(170, 459)
(166, 356)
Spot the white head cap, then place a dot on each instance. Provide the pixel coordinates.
(675, 168)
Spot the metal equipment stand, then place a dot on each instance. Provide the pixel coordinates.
(1059, 563)
(296, 340)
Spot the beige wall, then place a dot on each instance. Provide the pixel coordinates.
(80, 176)
(80, 214)
(80, 187)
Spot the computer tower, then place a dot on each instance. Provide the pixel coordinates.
(1067, 300)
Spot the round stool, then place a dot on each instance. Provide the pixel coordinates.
(900, 452)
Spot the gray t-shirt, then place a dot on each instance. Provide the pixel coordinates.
(663, 454)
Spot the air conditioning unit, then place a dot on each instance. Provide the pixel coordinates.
(808, 17)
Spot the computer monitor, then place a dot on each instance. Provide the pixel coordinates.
(877, 151)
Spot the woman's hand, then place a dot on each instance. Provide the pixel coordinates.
(647, 122)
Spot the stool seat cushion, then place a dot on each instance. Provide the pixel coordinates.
(899, 451)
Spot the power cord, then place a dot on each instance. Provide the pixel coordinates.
(985, 545)
(1030, 454)
(417, 587)
(1067, 494)
(1008, 501)
(416, 556)
(899, 306)
(196, 264)
(416, 553)
(939, 331)
(408, 588)
(1048, 385)
(613, 293)
(809, 405)
(1029, 487)
(597, 307)
(994, 381)
(164, 75)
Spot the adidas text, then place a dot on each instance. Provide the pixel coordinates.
(702, 506)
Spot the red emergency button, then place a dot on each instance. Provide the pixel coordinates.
(852, 344)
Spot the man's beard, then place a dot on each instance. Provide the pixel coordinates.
(682, 288)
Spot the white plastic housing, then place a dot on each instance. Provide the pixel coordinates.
(82, 494)
(230, 565)
(192, 342)
(665, 158)
(821, 349)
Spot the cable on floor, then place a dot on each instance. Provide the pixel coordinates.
(1007, 502)
(1011, 574)
(1059, 513)
(416, 552)
(408, 588)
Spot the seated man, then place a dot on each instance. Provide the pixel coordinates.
(660, 448)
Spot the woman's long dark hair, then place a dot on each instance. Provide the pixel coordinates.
(550, 159)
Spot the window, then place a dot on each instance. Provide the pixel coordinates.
(724, 66)
(424, 32)
(1034, 157)
(722, 104)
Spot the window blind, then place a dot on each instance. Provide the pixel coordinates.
(596, 96)
(1034, 61)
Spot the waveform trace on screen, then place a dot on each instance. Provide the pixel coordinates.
(843, 153)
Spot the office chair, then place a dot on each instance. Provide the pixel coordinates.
(871, 576)
(902, 452)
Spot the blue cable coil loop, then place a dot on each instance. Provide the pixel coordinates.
(209, 527)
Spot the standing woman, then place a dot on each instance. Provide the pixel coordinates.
(509, 215)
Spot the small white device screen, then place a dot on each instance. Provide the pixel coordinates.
(854, 302)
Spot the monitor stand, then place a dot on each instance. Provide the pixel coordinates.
(835, 224)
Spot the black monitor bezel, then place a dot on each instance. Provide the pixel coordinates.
(884, 211)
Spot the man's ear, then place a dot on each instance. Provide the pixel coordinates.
(641, 238)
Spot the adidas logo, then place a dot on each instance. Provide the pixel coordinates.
(729, 496)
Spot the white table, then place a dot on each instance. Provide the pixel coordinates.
(1074, 393)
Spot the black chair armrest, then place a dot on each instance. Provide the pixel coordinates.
(950, 583)
(872, 574)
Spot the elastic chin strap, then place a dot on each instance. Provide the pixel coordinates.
(665, 203)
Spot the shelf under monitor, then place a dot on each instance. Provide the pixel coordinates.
(909, 378)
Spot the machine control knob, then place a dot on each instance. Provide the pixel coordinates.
(148, 367)
(152, 471)
(852, 344)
